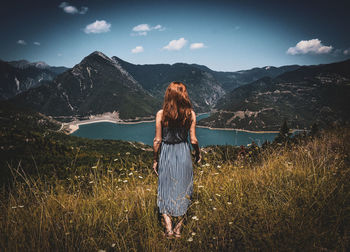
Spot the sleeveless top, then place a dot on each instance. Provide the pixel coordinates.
(174, 135)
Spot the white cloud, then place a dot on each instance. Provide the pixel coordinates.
(137, 49)
(175, 45)
(143, 29)
(347, 51)
(98, 26)
(21, 42)
(195, 46)
(309, 46)
(70, 9)
(36, 43)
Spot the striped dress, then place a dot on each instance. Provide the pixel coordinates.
(175, 181)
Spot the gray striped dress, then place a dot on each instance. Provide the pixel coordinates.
(175, 181)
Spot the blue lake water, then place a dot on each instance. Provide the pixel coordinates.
(144, 132)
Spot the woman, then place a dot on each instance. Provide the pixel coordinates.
(175, 173)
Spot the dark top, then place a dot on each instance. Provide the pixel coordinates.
(174, 135)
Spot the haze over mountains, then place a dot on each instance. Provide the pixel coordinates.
(259, 98)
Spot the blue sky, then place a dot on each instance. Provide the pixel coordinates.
(223, 35)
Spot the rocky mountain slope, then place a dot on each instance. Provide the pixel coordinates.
(304, 96)
(96, 85)
(204, 90)
(19, 76)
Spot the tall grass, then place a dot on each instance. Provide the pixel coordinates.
(294, 197)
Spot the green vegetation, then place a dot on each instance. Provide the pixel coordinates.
(290, 196)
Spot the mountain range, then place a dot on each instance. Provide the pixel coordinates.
(259, 98)
(19, 76)
(310, 94)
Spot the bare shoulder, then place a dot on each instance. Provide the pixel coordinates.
(193, 114)
(159, 114)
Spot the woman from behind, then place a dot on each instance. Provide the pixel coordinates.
(172, 156)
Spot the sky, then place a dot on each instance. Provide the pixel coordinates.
(222, 35)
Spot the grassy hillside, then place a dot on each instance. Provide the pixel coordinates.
(283, 197)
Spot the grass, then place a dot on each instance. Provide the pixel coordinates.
(294, 197)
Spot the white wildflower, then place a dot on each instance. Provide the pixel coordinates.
(125, 181)
(190, 239)
(195, 218)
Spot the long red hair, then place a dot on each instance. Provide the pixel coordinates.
(177, 106)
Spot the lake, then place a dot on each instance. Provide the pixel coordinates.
(144, 132)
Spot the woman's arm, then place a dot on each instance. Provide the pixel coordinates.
(157, 140)
(193, 138)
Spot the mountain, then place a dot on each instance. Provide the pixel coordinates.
(96, 85)
(19, 76)
(310, 94)
(232, 80)
(204, 90)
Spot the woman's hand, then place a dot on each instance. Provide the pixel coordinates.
(155, 167)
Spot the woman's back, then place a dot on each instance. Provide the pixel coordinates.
(173, 135)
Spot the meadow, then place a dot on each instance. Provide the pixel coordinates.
(280, 197)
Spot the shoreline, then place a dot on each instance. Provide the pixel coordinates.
(249, 131)
(73, 126)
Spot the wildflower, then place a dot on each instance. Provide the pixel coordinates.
(214, 208)
(127, 153)
(214, 238)
(113, 245)
(195, 218)
(119, 180)
(140, 177)
(219, 166)
(207, 165)
(125, 181)
(14, 207)
(200, 186)
(130, 173)
(216, 173)
(229, 203)
(94, 167)
(116, 159)
(20, 206)
(196, 202)
(132, 168)
(91, 182)
(217, 194)
(193, 233)
(230, 223)
(148, 189)
(190, 239)
(109, 170)
(249, 145)
(210, 199)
